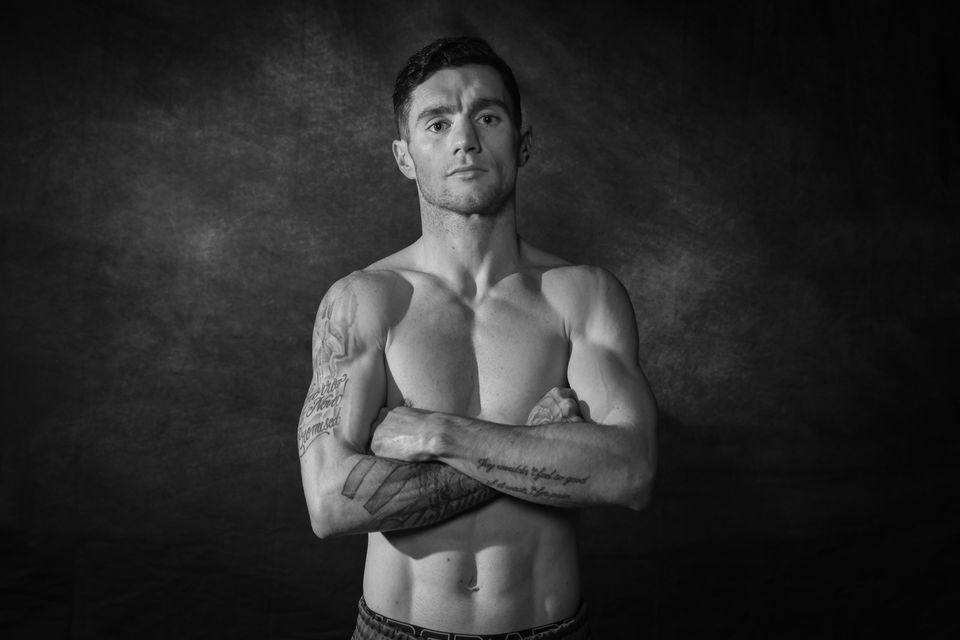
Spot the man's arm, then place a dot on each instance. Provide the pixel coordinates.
(609, 460)
(348, 491)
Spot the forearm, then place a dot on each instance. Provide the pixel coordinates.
(380, 494)
(566, 465)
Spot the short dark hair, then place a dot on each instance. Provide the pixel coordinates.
(442, 54)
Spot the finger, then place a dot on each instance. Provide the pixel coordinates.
(541, 415)
(555, 406)
(403, 410)
(569, 407)
(559, 393)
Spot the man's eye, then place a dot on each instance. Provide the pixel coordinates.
(488, 118)
(437, 126)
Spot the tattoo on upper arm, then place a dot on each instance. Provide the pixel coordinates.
(332, 339)
(333, 344)
(321, 411)
(404, 495)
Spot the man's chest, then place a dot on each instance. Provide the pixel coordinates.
(493, 360)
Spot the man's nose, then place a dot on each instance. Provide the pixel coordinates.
(465, 139)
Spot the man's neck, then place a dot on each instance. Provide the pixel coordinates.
(472, 253)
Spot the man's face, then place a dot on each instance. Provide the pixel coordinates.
(462, 147)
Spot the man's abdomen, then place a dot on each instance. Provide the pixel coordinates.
(508, 565)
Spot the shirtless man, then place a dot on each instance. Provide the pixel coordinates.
(470, 389)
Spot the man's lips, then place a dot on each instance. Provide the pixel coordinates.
(468, 169)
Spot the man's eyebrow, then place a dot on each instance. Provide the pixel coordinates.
(447, 109)
(439, 110)
(485, 103)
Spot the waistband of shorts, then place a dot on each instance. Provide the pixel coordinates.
(386, 627)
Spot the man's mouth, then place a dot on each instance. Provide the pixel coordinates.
(468, 170)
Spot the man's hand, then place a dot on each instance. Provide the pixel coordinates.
(404, 433)
(556, 406)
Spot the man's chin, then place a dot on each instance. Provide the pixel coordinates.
(476, 212)
(479, 212)
(480, 205)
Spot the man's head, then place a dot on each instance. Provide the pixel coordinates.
(458, 112)
(448, 53)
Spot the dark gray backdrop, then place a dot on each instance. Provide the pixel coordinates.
(776, 185)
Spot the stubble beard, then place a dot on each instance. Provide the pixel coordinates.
(483, 203)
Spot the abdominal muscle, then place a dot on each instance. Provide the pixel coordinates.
(508, 565)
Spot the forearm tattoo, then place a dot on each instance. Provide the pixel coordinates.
(333, 344)
(535, 482)
(403, 495)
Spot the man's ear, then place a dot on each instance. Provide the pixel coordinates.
(526, 144)
(402, 155)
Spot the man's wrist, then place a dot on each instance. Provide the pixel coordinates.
(440, 430)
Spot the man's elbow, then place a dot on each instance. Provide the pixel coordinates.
(638, 487)
(640, 496)
(324, 519)
(321, 528)
(636, 491)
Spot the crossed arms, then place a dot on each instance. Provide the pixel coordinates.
(364, 469)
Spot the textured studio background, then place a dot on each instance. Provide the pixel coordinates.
(777, 185)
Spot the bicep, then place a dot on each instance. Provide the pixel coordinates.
(604, 369)
(342, 405)
(348, 385)
(610, 386)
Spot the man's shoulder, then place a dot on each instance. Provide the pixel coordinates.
(378, 282)
(582, 278)
(582, 282)
(376, 292)
(363, 284)
(375, 299)
(585, 294)
(567, 275)
(394, 264)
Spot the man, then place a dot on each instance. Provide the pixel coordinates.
(470, 389)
